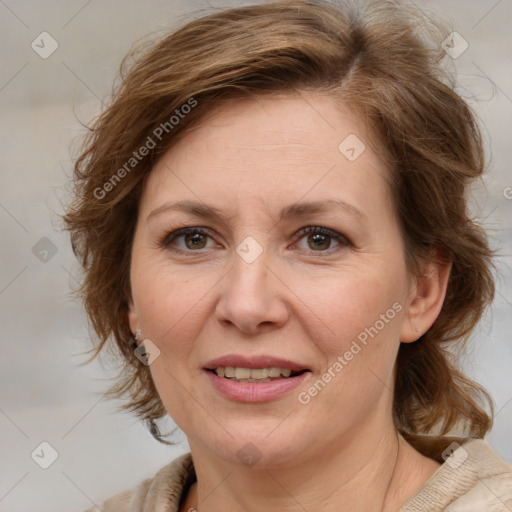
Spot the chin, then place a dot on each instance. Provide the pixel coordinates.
(262, 448)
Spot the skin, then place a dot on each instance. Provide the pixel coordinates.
(250, 159)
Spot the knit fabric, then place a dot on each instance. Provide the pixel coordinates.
(472, 478)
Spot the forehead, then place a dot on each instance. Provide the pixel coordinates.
(272, 149)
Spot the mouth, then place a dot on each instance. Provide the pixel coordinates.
(255, 375)
(255, 378)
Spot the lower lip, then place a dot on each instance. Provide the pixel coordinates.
(252, 391)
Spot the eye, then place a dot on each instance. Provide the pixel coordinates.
(193, 239)
(319, 239)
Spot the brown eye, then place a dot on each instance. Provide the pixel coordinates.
(193, 239)
(320, 239)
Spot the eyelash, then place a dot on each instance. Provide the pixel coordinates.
(168, 238)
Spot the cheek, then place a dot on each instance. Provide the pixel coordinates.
(175, 390)
(357, 324)
(352, 306)
(172, 308)
(169, 302)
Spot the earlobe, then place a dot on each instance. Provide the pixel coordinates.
(427, 298)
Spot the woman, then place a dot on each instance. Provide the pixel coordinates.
(272, 221)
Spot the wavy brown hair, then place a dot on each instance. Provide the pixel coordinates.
(382, 60)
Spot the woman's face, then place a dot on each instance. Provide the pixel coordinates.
(292, 261)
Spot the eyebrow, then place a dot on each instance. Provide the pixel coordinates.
(296, 210)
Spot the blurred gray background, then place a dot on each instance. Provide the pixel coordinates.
(45, 396)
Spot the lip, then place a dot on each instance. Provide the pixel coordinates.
(253, 392)
(254, 362)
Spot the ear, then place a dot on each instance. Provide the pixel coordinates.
(133, 318)
(426, 298)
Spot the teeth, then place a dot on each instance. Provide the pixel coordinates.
(274, 372)
(259, 373)
(252, 374)
(242, 373)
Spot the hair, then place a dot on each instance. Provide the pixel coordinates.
(382, 60)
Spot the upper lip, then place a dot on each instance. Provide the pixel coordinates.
(254, 362)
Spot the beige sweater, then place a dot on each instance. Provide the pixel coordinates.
(472, 479)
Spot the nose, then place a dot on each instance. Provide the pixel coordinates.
(252, 297)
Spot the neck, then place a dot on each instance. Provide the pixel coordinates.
(372, 477)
